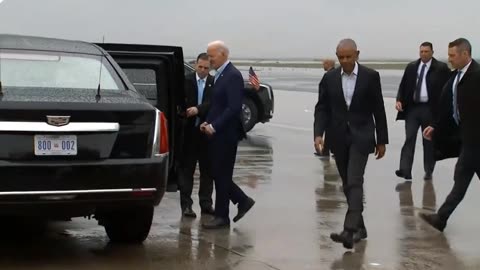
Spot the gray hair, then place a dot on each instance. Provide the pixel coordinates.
(347, 43)
(220, 46)
(328, 60)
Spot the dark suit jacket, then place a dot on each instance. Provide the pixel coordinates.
(226, 106)
(437, 75)
(448, 137)
(191, 100)
(355, 125)
(327, 141)
(191, 97)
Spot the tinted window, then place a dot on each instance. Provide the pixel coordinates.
(144, 80)
(150, 79)
(188, 69)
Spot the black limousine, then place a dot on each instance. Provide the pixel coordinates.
(78, 139)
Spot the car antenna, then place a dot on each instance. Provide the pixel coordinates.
(98, 97)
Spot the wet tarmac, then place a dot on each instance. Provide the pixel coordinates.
(299, 203)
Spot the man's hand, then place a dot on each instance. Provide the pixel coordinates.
(207, 129)
(192, 111)
(428, 133)
(203, 126)
(318, 144)
(380, 151)
(399, 106)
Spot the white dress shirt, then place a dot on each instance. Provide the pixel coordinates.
(348, 84)
(423, 91)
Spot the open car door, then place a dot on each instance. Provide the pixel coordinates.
(157, 72)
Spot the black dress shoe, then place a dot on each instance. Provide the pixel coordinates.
(188, 212)
(360, 235)
(428, 176)
(399, 173)
(345, 237)
(325, 155)
(434, 220)
(243, 208)
(216, 223)
(208, 211)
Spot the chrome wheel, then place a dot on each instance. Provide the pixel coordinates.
(247, 113)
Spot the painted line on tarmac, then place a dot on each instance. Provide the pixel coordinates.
(286, 126)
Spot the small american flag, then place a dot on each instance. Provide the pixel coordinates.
(253, 79)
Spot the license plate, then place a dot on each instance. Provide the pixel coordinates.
(55, 145)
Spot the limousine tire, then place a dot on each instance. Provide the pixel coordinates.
(129, 226)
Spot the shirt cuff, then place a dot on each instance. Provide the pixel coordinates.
(212, 128)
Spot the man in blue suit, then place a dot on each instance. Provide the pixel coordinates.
(224, 127)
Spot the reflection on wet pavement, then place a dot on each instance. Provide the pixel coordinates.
(420, 246)
(330, 195)
(254, 161)
(429, 201)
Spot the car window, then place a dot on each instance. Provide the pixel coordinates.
(149, 79)
(188, 69)
(144, 80)
(56, 70)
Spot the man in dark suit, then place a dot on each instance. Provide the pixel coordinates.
(225, 128)
(350, 99)
(417, 99)
(328, 64)
(457, 131)
(198, 88)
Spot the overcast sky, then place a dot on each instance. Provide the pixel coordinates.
(254, 28)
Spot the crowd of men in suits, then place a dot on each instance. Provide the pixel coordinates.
(443, 103)
(350, 121)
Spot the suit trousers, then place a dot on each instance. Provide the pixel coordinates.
(196, 150)
(467, 165)
(351, 167)
(418, 116)
(223, 155)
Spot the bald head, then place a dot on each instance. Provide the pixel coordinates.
(347, 43)
(347, 54)
(218, 53)
(328, 64)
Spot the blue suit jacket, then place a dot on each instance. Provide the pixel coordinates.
(226, 105)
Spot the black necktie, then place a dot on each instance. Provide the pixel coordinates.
(418, 88)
